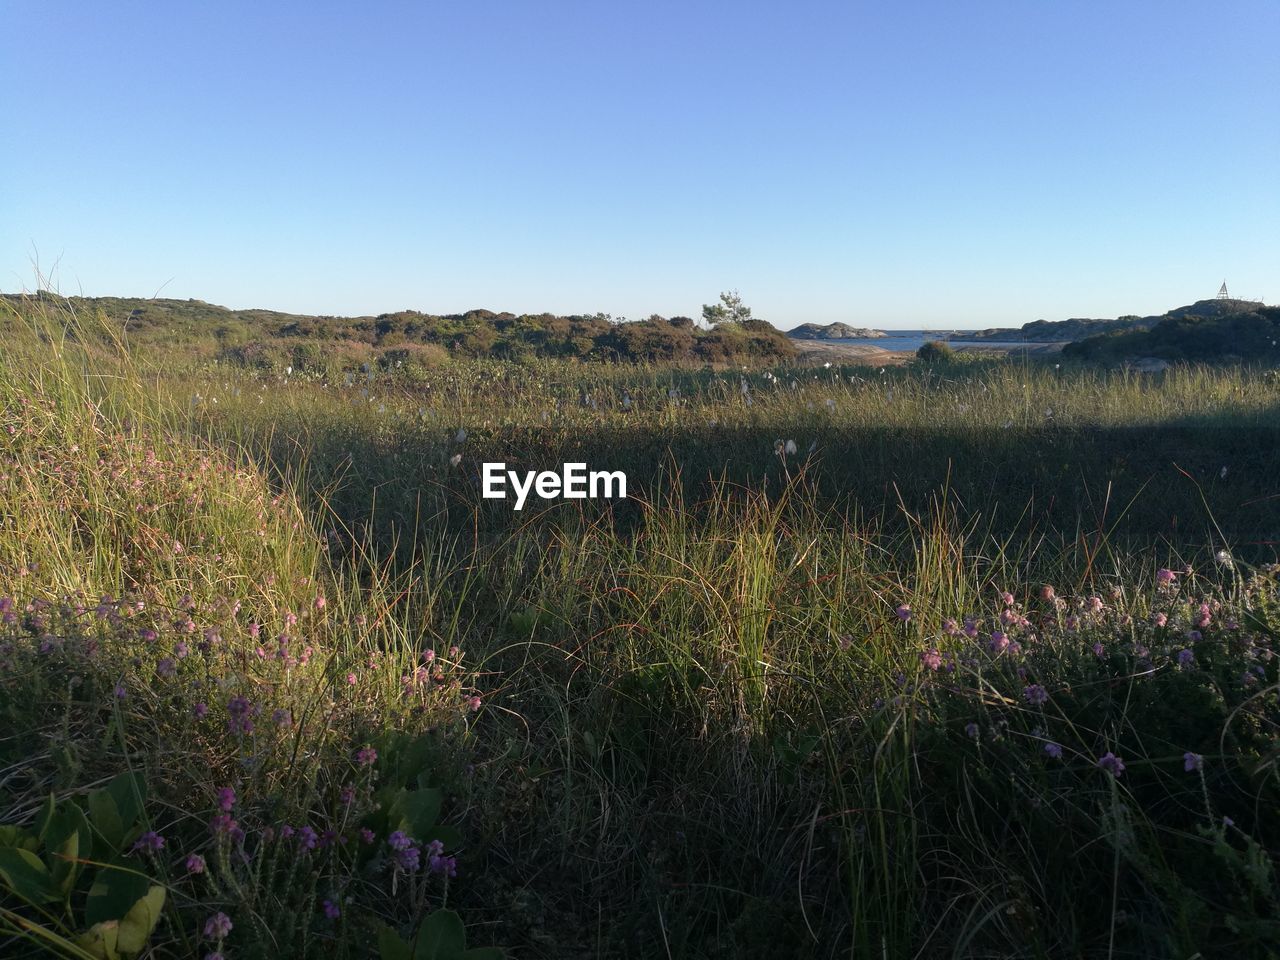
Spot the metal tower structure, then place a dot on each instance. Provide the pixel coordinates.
(1222, 292)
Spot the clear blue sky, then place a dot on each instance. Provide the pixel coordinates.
(892, 163)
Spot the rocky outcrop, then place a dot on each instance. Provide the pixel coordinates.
(834, 331)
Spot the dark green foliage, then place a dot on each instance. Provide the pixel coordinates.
(936, 351)
(108, 906)
(266, 340)
(440, 937)
(1252, 336)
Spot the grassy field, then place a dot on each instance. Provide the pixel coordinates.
(984, 668)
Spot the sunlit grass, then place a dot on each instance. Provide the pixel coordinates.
(859, 699)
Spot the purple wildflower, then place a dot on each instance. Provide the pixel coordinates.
(931, 659)
(308, 839)
(407, 856)
(330, 909)
(903, 612)
(442, 864)
(1053, 750)
(224, 825)
(149, 842)
(226, 799)
(366, 755)
(1111, 763)
(217, 926)
(399, 841)
(407, 860)
(1036, 694)
(195, 863)
(238, 710)
(1192, 762)
(971, 730)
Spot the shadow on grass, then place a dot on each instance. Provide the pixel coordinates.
(1187, 486)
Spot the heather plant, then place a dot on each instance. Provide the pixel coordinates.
(169, 612)
(974, 659)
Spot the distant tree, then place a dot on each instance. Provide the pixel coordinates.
(730, 309)
(480, 340)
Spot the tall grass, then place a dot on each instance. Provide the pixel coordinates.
(186, 673)
(860, 700)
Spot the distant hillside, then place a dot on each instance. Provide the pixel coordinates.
(1250, 335)
(1048, 331)
(268, 338)
(833, 331)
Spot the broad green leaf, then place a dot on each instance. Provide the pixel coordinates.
(104, 814)
(391, 946)
(129, 791)
(67, 837)
(419, 810)
(14, 837)
(100, 940)
(45, 817)
(141, 919)
(115, 890)
(441, 937)
(26, 876)
(64, 865)
(447, 835)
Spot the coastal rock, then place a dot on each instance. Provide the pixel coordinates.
(834, 331)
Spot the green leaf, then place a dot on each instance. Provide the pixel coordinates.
(104, 814)
(45, 817)
(391, 946)
(141, 919)
(15, 837)
(100, 940)
(67, 837)
(129, 791)
(418, 810)
(114, 892)
(65, 869)
(449, 836)
(26, 876)
(441, 937)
